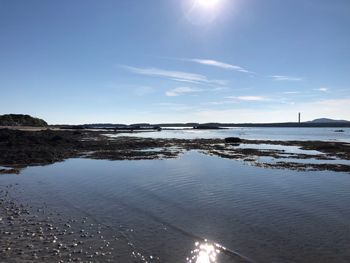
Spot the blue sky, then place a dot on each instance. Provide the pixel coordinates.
(130, 61)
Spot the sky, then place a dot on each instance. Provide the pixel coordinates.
(157, 61)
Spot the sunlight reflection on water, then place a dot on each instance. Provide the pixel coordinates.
(204, 252)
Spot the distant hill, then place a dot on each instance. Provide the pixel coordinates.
(21, 120)
(326, 120)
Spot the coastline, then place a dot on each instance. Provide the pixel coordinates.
(20, 149)
(31, 233)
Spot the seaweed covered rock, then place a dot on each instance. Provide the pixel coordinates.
(21, 120)
(233, 140)
(36, 147)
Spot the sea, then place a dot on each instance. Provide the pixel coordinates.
(195, 207)
(284, 134)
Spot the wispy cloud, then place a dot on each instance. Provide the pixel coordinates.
(218, 64)
(291, 92)
(186, 80)
(224, 102)
(285, 78)
(177, 75)
(248, 98)
(322, 89)
(221, 89)
(237, 99)
(180, 91)
(174, 75)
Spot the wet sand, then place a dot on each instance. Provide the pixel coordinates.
(41, 235)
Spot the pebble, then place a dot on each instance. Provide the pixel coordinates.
(34, 238)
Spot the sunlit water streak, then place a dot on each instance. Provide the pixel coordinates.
(204, 253)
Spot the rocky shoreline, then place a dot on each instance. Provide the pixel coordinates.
(41, 234)
(19, 149)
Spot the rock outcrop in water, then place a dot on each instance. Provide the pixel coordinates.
(21, 120)
(233, 140)
(206, 127)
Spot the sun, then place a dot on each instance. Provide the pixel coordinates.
(205, 12)
(209, 4)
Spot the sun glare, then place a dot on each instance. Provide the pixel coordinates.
(207, 3)
(204, 253)
(204, 12)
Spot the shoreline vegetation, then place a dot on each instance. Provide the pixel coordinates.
(30, 147)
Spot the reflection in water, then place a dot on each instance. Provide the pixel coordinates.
(268, 214)
(204, 253)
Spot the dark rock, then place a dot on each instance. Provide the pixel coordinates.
(21, 120)
(233, 140)
(207, 127)
(10, 171)
(56, 138)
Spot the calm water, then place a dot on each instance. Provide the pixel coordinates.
(323, 134)
(163, 205)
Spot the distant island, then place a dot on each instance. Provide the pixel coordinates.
(326, 120)
(321, 122)
(27, 120)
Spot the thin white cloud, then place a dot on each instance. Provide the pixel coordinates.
(215, 63)
(237, 99)
(178, 75)
(322, 89)
(174, 75)
(224, 102)
(180, 91)
(291, 92)
(187, 81)
(248, 98)
(285, 78)
(221, 89)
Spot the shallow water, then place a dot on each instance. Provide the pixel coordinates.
(284, 148)
(267, 159)
(165, 206)
(287, 134)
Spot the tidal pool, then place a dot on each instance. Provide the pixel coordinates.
(187, 209)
